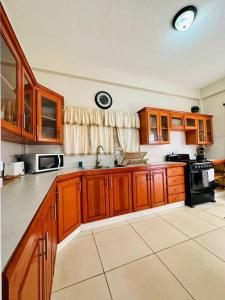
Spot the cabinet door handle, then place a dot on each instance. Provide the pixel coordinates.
(110, 181)
(24, 120)
(106, 182)
(55, 210)
(45, 240)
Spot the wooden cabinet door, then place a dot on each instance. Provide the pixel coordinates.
(49, 116)
(190, 122)
(158, 187)
(120, 193)
(10, 80)
(95, 198)
(208, 131)
(28, 107)
(153, 127)
(176, 121)
(201, 131)
(68, 206)
(164, 132)
(24, 274)
(141, 190)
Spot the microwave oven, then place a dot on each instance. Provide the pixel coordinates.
(39, 162)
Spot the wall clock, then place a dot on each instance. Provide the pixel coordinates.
(103, 100)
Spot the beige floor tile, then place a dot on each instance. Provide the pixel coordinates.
(202, 273)
(107, 227)
(77, 261)
(218, 210)
(214, 241)
(171, 211)
(84, 233)
(188, 223)
(95, 289)
(158, 234)
(119, 246)
(207, 217)
(145, 279)
(206, 205)
(139, 219)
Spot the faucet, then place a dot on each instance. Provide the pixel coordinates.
(97, 165)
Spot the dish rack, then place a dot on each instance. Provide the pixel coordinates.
(132, 158)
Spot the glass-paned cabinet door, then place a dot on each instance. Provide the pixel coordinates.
(28, 108)
(176, 121)
(209, 132)
(153, 128)
(49, 118)
(10, 109)
(201, 131)
(164, 128)
(190, 122)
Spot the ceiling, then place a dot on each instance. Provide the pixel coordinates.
(132, 36)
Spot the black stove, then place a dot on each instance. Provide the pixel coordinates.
(199, 186)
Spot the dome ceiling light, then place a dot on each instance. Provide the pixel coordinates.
(184, 18)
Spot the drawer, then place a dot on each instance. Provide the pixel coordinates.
(176, 189)
(176, 197)
(175, 171)
(175, 180)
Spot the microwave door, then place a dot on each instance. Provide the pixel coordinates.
(48, 162)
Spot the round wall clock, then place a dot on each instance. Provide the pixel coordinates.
(103, 100)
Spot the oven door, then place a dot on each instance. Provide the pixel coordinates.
(48, 162)
(197, 183)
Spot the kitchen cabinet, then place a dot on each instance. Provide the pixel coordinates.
(10, 81)
(69, 207)
(120, 193)
(158, 187)
(204, 133)
(141, 190)
(154, 126)
(176, 121)
(95, 197)
(190, 121)
(30, 271)
(49, 116)
(175, 184)
(22, 121)
(28, 107)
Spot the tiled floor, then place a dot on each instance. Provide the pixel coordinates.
(175, 255)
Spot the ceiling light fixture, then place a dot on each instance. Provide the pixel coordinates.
(184, 18)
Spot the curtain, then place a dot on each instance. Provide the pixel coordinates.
(129, 139)
(76, 139)
(87, 128)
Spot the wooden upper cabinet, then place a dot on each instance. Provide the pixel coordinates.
(69, 209)
(155, 126)
(158, 187)
(141, 190)
(190, 121)
(208, 130)
(203, 135)
(95, 197)
(120, 193)
(28, 107)
(49, 116)
(176, 121)
(10, 83)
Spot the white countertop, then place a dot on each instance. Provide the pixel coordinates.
(20, 201)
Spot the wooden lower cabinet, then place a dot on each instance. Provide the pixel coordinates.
(29, 272)
(120, 193)
(158, 187)
(95, 197)
(141, 190)
(69, 207)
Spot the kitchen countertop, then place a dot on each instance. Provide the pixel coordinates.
(22, 198)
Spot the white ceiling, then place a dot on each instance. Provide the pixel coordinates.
(132, 36)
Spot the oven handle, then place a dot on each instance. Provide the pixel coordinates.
(200, 171)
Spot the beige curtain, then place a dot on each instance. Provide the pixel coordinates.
(102, 136)
(129, 139)
(76, 139)
(87, 128)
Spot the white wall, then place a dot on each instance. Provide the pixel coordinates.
(213, 97)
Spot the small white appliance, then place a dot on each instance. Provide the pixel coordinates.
(14, 168)
(39, 162)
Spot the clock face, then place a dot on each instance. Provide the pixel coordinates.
(103, 100)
